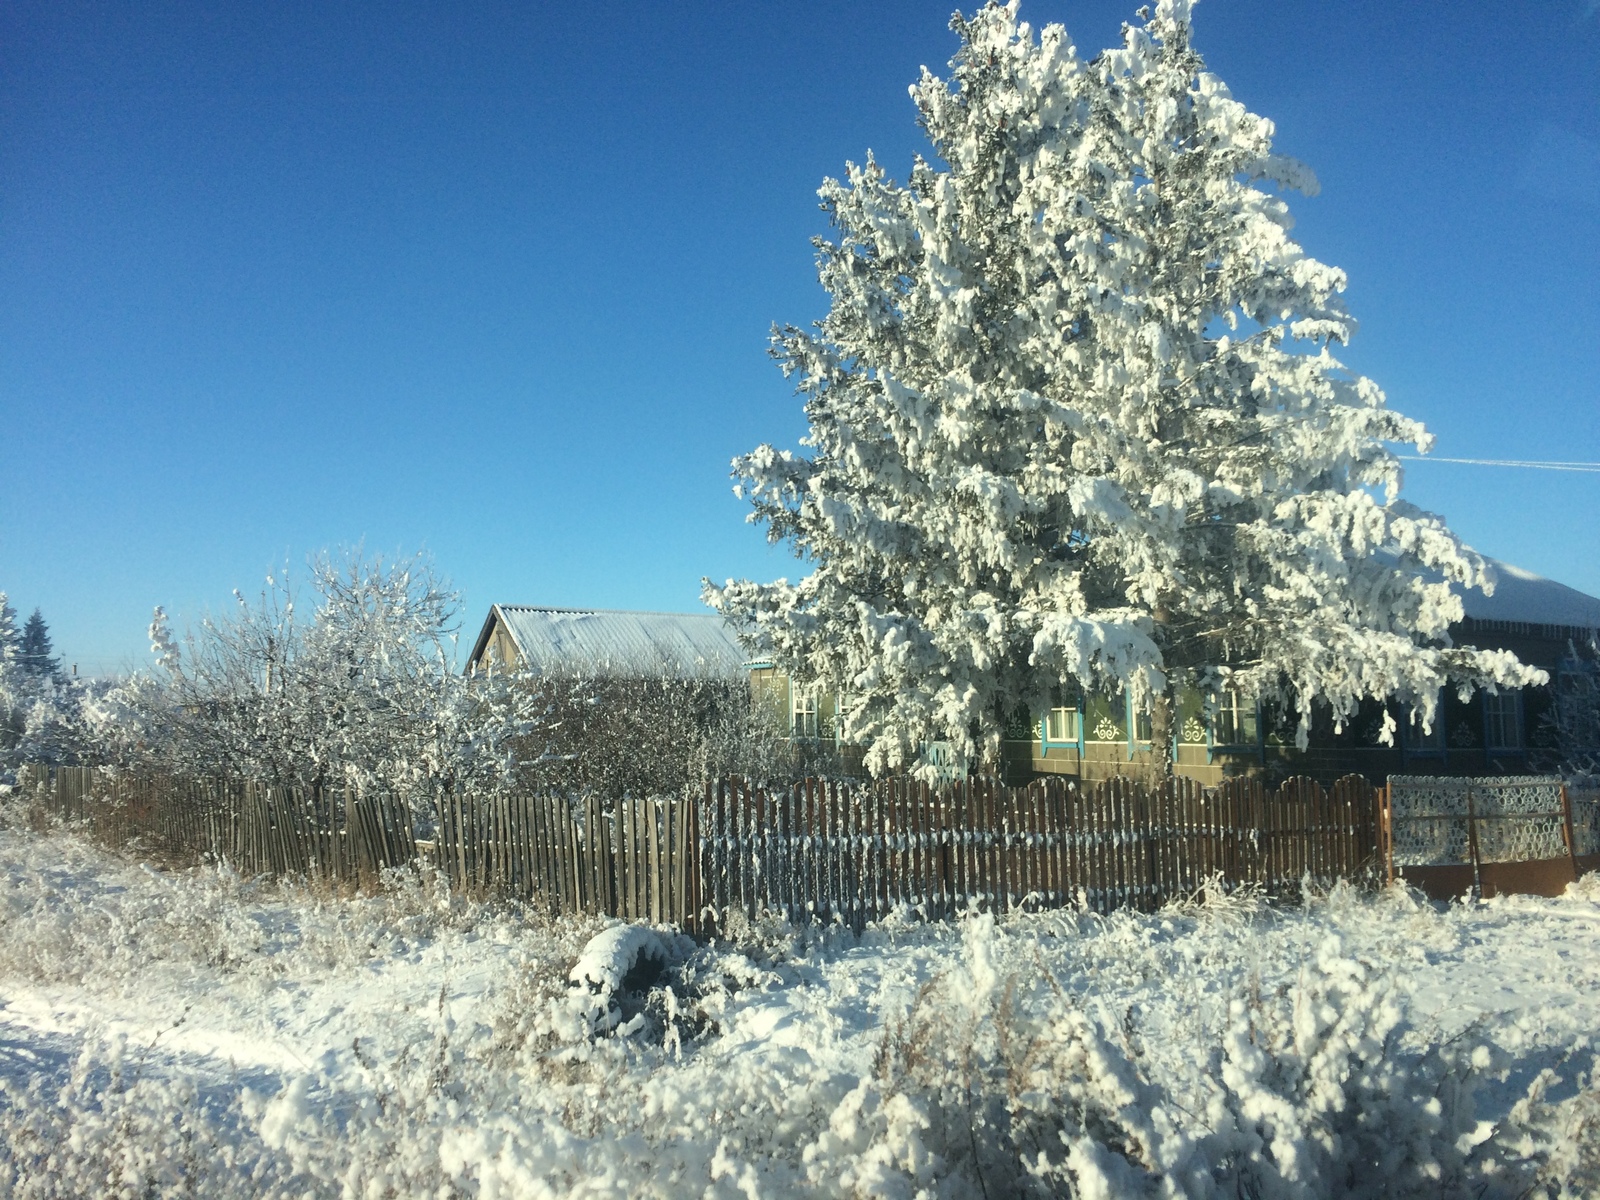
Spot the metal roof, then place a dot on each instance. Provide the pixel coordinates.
(618, 642)
(1521, 597)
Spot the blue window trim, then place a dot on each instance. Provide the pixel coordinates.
(1047, 745)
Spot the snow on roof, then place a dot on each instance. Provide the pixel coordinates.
(620, 642)
(1525, 598)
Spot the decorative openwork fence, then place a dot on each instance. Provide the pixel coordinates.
(1517, 833)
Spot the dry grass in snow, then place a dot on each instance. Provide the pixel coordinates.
(194, 1033)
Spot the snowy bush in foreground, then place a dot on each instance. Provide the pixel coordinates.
(1313, 1091)
(1224, 1048)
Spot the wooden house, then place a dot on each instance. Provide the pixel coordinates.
(1098, 736)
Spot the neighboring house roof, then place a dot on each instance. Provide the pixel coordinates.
(617, 642)
(1523, 598)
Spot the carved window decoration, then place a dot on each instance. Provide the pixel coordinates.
(1105, 719)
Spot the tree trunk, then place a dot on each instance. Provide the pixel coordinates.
(1161, 717)
(1162, 706)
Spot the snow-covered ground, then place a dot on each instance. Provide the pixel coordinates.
(189, 1032)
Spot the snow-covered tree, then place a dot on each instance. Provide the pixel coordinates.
(8, 627)
(1075, 420)
(41, 710)
(360, 691)
(11, 722)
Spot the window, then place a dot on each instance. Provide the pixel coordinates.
(1141, 725)
(1235, 721)
(1061, 726)
(803, 711)
(1431, 741)
(1502, 721)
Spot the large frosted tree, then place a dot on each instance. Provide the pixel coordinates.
(1075, 420)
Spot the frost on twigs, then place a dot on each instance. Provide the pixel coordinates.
(1077, 421)
(1319, 1090)
(394, 1049)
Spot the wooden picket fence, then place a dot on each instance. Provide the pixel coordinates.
(815, 850)
(832, 851)
(337, 836)
(639, 860)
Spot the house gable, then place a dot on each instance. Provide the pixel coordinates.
(608, 642)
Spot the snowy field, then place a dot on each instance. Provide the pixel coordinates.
(192, 1033)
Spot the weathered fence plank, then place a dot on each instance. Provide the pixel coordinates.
(813, 850)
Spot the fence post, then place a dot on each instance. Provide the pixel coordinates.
(1472, 843)
(1567, 830)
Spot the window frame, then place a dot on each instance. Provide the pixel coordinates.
(1049, 741)
(1433, 744)
(1508, 706)
(1242, 710)
(804, 702)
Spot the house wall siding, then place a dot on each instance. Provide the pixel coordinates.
(1330, 756)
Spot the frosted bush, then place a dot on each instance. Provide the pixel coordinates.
(111, 1131)
(1216, 1048)
(1319, 1089)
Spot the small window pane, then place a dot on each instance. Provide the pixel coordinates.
(1235, 720)
(803, 707)
(1431, 741)
(1061, 725)
(1141, 725)
(1502, 721)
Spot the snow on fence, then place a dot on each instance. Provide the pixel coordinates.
(815, 850)
(854, 852)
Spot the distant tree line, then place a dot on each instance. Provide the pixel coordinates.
(39, 703)
(352, 682)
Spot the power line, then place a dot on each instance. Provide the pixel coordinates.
(1592, 468)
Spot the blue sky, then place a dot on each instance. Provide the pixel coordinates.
(495, 281)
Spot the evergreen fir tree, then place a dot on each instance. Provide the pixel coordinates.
(10, 640)
(1075, 420)
(34, 652)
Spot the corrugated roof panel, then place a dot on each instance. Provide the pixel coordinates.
(615, 641)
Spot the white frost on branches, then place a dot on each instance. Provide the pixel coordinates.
(1075, 419)
(41, 708)
(360, 691)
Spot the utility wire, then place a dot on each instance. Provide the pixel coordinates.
(1590, 467)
